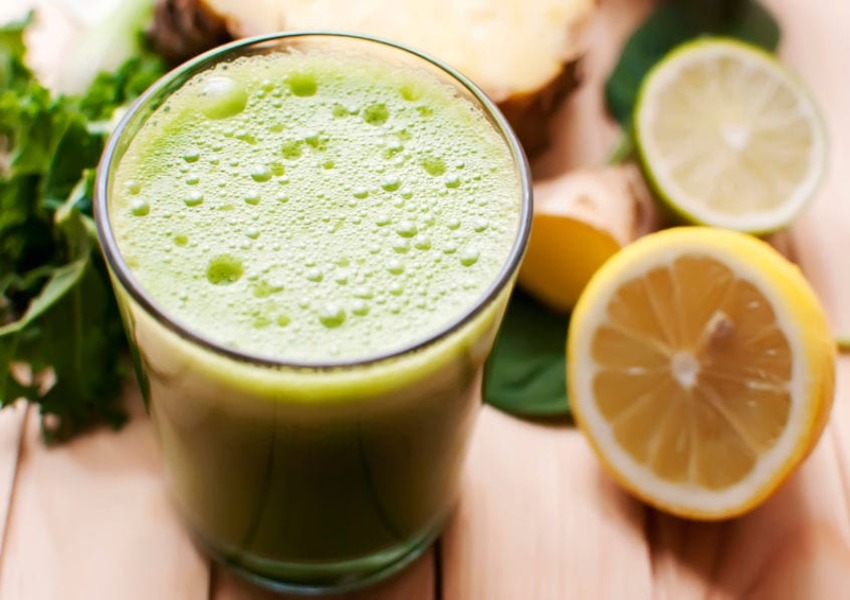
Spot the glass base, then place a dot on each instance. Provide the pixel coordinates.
(316, 580)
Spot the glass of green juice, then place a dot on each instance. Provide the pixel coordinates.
(312, 238)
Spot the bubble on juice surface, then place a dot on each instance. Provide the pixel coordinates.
(332, 315)
(390, 184)
(192, 154)
(264, 288)
(395, 266)
(376, 114)
(302, 84)
(140, 207)
(193, 198)
(317, 141)
(133, 187)
(452, 181)
(222, 97)
(479, 224)
(422, 242)
(261, 173)
(469, 256)
(406, 229)
(224, 270)
(434, 166)
(359, 308)
(253, 198)
(315, 275)
(291, 149)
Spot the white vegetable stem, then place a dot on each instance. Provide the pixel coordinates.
(73, 40)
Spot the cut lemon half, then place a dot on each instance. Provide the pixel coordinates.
(701, 368)
(727, 137)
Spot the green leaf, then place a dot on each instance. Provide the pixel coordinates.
(57, 311)
(113, 89)
(526, 372)
(674, 23)
(13, 71)
(76, 150)
(72, 328)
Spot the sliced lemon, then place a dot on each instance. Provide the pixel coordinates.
(727, 137)
(701, 368)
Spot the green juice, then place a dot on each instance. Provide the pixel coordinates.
(309, 231)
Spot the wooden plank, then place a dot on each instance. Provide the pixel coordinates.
(539, 520)
(91, 520)
(815, 43)
(11, 433)
(414, 583)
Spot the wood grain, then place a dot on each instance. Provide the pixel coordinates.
(91, 520)
(816, 44)
(11, 432)
(538, 519)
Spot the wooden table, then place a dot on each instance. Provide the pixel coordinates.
(538, 519)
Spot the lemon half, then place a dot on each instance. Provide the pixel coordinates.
(701, 368)
(728, 137)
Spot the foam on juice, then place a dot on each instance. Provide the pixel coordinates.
(313, 206)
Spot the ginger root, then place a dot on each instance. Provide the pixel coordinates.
(581, 219)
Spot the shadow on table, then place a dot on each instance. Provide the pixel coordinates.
(416, 582)
(781, 550)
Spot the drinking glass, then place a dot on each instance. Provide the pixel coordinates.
(303, 476)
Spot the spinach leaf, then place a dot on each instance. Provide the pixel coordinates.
(526, 372)
(673, 23)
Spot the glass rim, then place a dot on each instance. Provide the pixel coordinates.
(115, 260)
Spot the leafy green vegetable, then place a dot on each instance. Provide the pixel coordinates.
(57, 312)
(526, 372)
(673, 23)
